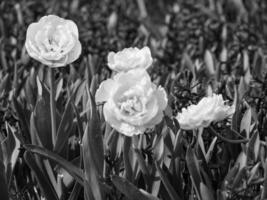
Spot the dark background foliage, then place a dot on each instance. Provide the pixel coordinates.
(198, 46)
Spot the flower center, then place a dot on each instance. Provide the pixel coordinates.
(58, 40)
(55, 42)
(130, 106)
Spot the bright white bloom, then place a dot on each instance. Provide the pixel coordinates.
(132, 102)
(53, 41)
(209, 109)
(130, 58)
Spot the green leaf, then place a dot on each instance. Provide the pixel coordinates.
(141, 161)
(173, 195)
(210, 150)
(79, 121)
(92, 174)
(3, 182)
(4, 84)
(170, 122)
(93, 152)
(68, 166)
(178, 144)
(23, 119)
(264, 189)
(241, 160)
(148, 195)
(242, 88)
(79, 91)
(94, 84)
(259, 64)
(193, 167)
(59, 89)
(253, 172)
(75, 192)
(205, 171)
(237, 114)
(239, 177)
(41, 120)
(64, 128)
(95, 137)
(88, 194)
(91, 65)
(127, 164)
(10, 147)
(253, 148)
(50, 173)
(246, 122)
(113, 143)
(155, 187)
(158, 148)
(200, 141)
(230, 176)
(205, 192)
(67, 178)
(31, 89)
(45, 186)
(130, 190)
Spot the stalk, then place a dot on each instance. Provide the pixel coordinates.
(52, 105)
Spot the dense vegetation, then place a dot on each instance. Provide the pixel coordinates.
(198, 47)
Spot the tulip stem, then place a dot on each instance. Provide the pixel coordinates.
(52, 105)
(226, 139)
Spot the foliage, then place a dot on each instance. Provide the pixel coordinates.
(198, 47)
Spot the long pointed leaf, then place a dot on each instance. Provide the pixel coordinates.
(3, 183)
(193, 168)
(91, 174)
(127, 164)
(95, 137)
(41, 120)
(64, 129)
(68, 166)
(45, 186)
(205, 192)
(75, 192)
(167, 184)
(130, 190)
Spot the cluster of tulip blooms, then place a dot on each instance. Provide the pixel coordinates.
(132, 102)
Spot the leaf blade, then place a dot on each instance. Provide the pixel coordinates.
(130, 190)
(68, 166)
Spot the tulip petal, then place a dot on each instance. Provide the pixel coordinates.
(132, 76)
(60, 63)
(154, 121)
(32, 30)
(111, 60)
(73, 28)
(104, 91)
(133, 102)
(53, 41)
(120, 126)
(207, 110)
(130, 58)
(75, 52)
(55, 20)
(148, 58)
